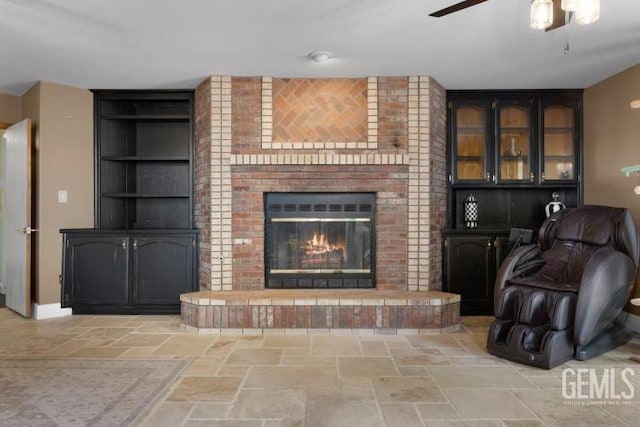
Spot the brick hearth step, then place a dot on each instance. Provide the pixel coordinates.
(282, 311)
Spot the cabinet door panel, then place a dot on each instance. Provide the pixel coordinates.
(470, 131)
(470, 271)
(162, 268)
(96, 270)
(559, 136)
(514, 139)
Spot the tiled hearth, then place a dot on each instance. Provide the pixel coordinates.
(379, 135)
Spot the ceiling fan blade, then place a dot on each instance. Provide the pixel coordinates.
(456, 7)
(559, 16)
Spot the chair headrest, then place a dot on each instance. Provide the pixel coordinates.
(594, 225)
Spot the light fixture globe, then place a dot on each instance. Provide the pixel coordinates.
(541, 14)
(569, 5)
(588, 12)
(320, 56)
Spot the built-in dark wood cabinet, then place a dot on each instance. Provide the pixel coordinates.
(511, 150)
(107, 271)
(142, 253)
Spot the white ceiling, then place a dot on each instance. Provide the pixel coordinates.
(159, 44)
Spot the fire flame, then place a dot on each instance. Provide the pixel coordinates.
(319, 245)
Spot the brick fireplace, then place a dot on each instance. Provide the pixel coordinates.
(383, 136)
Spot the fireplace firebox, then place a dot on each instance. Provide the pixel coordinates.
(319, 240)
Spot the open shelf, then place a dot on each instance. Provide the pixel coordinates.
(142, 195)
(159, 117)
(144, 151)
(146, 158)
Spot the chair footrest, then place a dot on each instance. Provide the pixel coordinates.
(547, 349)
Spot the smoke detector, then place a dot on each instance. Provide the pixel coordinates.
(320, 56)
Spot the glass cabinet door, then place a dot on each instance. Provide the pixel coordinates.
(558, 142)
(470, 136)
(514, 141)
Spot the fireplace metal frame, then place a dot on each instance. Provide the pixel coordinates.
(319, 207)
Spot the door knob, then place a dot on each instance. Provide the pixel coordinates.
(26, 230)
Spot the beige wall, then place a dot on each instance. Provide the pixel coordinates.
(9, 109)
(611, 141)
(63, 129)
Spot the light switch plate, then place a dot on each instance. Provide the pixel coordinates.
(62, 196)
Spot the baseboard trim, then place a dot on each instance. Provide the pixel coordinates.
(632, 321)
(49, 311)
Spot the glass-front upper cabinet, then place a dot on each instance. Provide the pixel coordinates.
(514, 140)
(470, 134)
(559, 128)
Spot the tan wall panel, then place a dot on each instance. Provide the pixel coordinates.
(65, 162)
(611, 141)
(9, 109)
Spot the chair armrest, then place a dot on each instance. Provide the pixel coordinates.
(505, 272)
(605, 287)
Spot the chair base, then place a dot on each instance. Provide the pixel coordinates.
(613, 337)
(508, 340)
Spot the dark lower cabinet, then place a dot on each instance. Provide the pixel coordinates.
(95, 270)
(162, 269)
(470, 266)
(128, 272)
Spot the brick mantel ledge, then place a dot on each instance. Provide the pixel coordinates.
(360, 311)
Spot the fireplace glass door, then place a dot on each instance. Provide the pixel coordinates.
(321, 245)
(319, 241)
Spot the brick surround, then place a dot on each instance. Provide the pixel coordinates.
(238, 159)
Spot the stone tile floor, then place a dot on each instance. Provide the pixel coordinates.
(339, 380)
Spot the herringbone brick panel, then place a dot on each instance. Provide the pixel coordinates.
(319, 110)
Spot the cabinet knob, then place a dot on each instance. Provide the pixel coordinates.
(488, 177)
(135, 244)
(494, 178)
(124, 245)
(542, 176)
(532, 176)
(488, 243)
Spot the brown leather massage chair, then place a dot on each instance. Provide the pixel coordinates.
(561, 299)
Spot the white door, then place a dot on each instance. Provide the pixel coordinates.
(17, 216)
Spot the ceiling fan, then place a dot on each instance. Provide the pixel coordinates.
(456, 7)
(559, 16)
